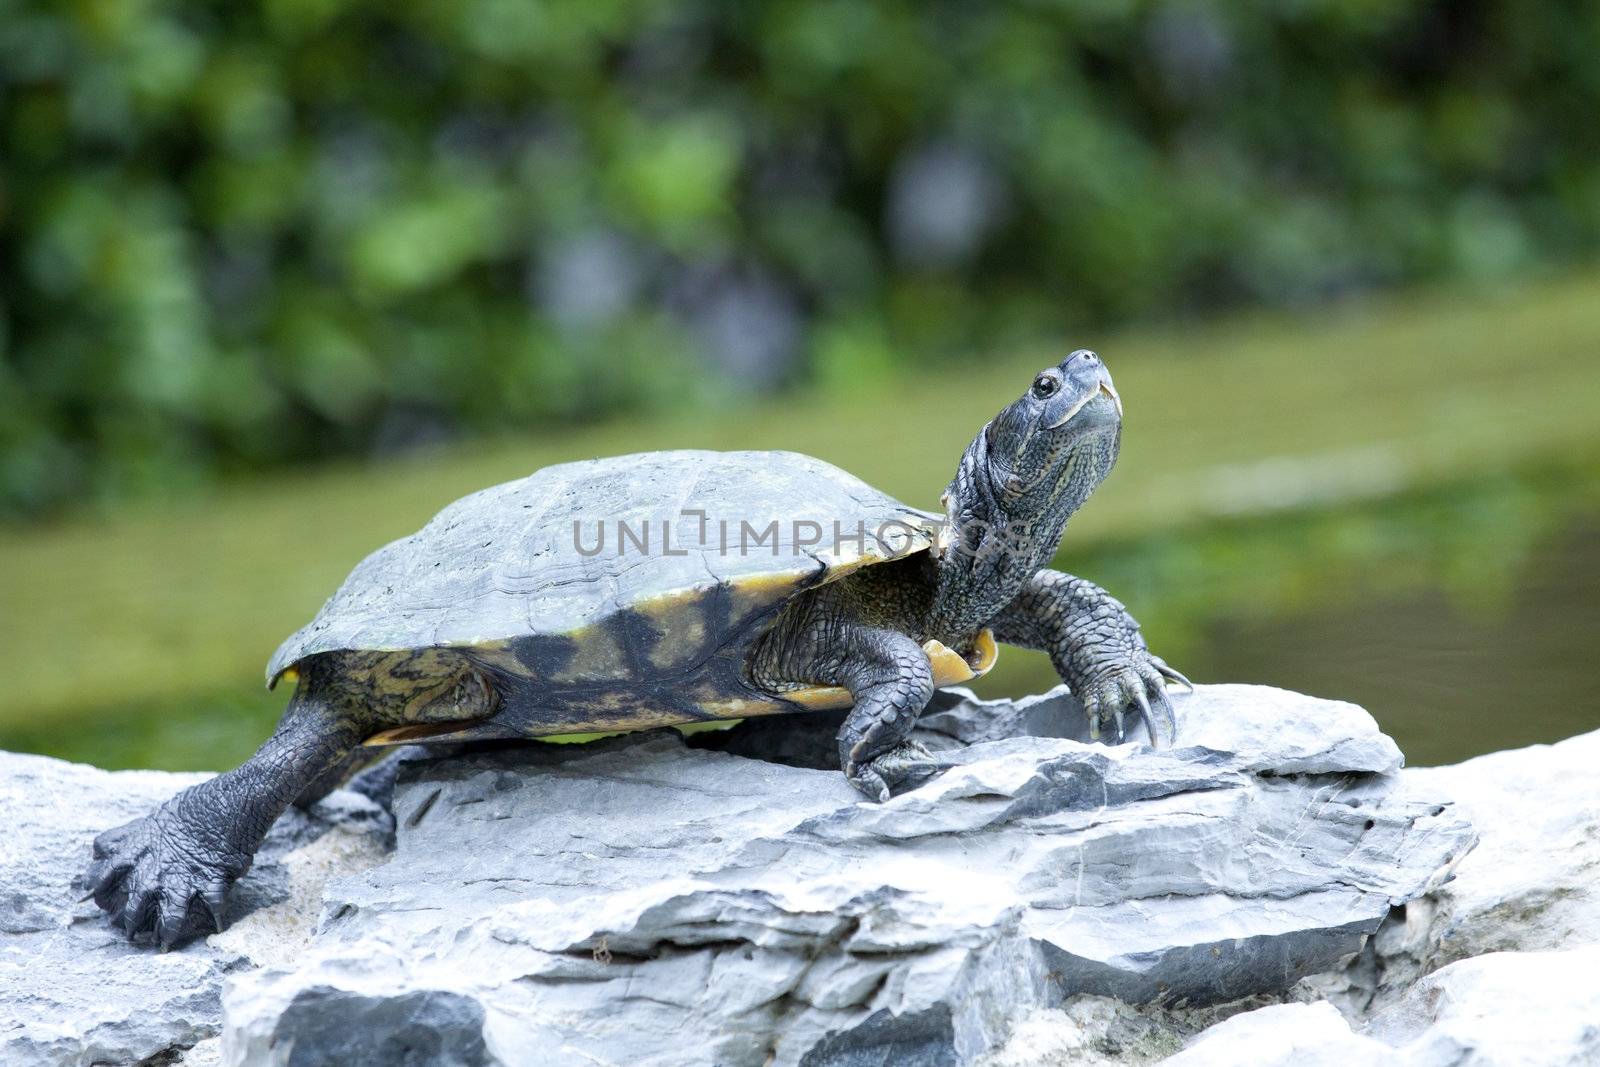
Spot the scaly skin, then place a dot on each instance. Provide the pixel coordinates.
(1018, 483)
(863, 633)
(165, 877)
(1096, 648)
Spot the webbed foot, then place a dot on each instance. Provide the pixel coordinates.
(162, 879)
(896, 770)
(1112, 694)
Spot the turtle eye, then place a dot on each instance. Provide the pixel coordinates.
(1045, 386)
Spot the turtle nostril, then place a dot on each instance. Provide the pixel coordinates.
(1083, 355)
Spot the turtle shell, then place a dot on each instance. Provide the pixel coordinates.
(622, 593)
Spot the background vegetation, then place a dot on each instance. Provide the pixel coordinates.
(237, 235)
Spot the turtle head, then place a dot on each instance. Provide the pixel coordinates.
(1019, 482)
(1057, 441)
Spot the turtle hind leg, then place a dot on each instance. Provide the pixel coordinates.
(340, 775)
(371, 772)
(165, 877)
(426, 687)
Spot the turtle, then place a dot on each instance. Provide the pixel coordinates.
(675, 589)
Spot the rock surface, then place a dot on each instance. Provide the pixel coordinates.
(72, 991)
(729, 900)
(1494, 966)
(643, 901)
(1536, 1008)
(1532, 884)
(1304, 1035)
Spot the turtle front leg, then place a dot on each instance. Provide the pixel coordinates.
(891, 681)
(165, 877)
(1096, 648)
(888, 676)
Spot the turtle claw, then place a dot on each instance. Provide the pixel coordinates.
(137, 909)
(1143, 702)
(897, 770)
(157, 881)
(214, 899)
(1169, 674)
(1126, 690)
(171, 926)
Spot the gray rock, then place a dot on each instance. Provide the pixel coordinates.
(1091, 1031)
(1506, 1008)
(420, 1028)
(1532, 884)
(1535, 882)
(645, 901)
(1301, 1035)
(72, 991)
(1448, 978)
(1502, 1008)
(732, 900)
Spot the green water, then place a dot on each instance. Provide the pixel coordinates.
(1446, 678)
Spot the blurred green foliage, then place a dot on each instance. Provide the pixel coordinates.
(233, 235)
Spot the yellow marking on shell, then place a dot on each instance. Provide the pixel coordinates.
(726, 708)
(498, 654)
(617, 713)
(949, 668)
(752, 593)
(684, 728)
(424, 731)
(404, 735)
(681, 620)
(596, 657)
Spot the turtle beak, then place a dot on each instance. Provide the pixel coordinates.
(1110, 390)
(1084, 380)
